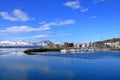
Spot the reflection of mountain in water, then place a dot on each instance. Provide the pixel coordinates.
(12, 51)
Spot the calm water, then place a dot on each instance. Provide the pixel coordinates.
(15, 65)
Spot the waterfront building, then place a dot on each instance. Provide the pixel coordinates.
(66, 45)
(50, 45)
(113, 44)
(71, 45)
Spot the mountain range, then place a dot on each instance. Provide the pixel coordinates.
(22, 44)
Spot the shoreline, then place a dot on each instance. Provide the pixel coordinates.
(34, 51)
(118, 49)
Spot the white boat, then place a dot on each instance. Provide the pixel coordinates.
(72, 50)
(64, 50)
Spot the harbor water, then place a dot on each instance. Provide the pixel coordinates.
(15, 65)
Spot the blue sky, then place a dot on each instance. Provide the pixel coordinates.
(59, 20)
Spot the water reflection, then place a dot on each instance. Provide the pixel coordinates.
(93, 55)
(59, 66)
(12, 51)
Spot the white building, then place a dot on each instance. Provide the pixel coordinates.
(113, 44)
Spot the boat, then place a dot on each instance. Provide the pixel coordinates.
(64, 50)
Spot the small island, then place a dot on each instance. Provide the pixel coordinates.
(33, 51)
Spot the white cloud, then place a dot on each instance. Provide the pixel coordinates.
(98, 1)
(25, 29)
(45, 36)
(43, 22)
(16, 15)
(40, 36)
(84, 9)
(61, 23)
(75, 5)
(49, 36)
(21, 29)
(65, 22)
(92, 17)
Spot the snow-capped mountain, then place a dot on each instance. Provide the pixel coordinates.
(7, 43)
(23, 43)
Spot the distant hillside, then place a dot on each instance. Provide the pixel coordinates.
(112, 40)
(101, 44)
(109, 40)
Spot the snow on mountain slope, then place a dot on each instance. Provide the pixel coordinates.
(23, 43)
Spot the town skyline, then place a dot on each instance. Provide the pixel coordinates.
(59, 21)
